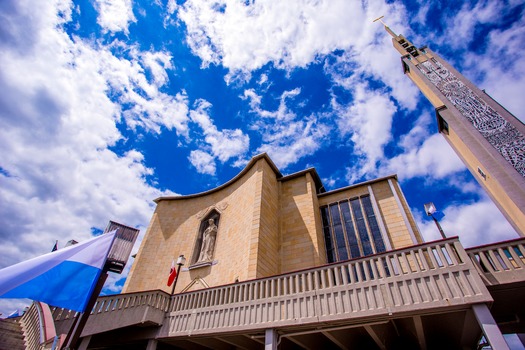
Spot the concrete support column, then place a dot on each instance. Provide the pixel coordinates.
(489, 327)
(84, 343)
(152, 344)
(270, 339)
(521, 337)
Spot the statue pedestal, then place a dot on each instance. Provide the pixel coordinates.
(201, 264)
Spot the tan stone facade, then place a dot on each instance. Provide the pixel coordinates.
(268, 224)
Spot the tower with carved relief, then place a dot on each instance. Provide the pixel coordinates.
(486, 136)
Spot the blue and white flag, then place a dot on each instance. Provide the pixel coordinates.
(64, 278)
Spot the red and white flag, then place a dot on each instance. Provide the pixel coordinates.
(173, 273)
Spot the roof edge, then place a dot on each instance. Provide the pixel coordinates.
(318, 183)
(368, 182)
(250, 164)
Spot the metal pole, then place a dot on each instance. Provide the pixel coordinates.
(439, 227)
(174, 284)
(71, 341)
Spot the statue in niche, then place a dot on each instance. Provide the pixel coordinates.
(208, 242)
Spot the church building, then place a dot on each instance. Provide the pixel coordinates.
(276, 262)
(272, 261)
(266, 224)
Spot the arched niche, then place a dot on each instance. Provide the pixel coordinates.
(204, 249)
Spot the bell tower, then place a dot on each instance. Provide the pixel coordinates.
(487, 137)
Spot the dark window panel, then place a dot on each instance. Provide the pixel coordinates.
(372, 223)
(327, 236)
(338, 232)
(350, 231)
(361, 227)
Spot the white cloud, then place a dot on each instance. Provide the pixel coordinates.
(296, 33)
(377, 60)
(288, 33)
(418, 133)
(368, 123)
(203, 162)
(434, 158)
(501, 67)
(171, 6)
(293, 34)
(115, 15)
(461, 26)
(475, 224)
(59, 178)
(263, 79)
(157, 63)
(218, 144)
(495, 63)
(286, 137)
(420, 153)
(147, 107)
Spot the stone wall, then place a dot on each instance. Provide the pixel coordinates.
(174, 230)
(302, 245)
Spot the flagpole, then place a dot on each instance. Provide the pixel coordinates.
(180, 261)
(430, 209)
(175, 282)
(76, 330)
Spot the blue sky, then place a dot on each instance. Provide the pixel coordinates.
(107, 105)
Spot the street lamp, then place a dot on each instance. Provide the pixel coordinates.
(430, 209)
(180, 261)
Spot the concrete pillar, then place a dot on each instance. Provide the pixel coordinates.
(84, 343)
(521, 337)
(270, 339)
(152, 344)
(489, 327)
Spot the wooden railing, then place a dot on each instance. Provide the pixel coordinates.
(500, 263)
(121, 309)
(428, 276)
(156, 299)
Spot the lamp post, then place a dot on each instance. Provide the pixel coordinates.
(430, 209)
(180, 261)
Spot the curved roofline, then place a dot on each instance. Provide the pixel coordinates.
(250, 164)
(321, 191)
